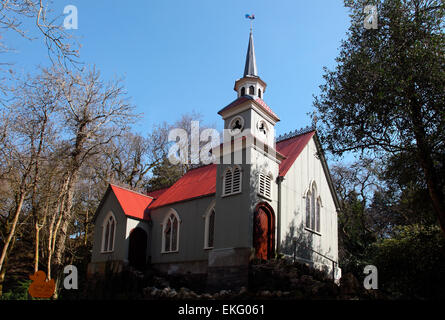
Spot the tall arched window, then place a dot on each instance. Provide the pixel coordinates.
(259, 93)
(313, 209)
(317, 215)
(232, 181)
(108, 233)
(170, 233)
(209, 229)
(313, 195)
(252, 90)
(308, 209)
(243, 91)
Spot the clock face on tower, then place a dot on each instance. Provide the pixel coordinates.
(236, 125)
(262, 127)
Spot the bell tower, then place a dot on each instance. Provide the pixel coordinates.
(247, 167)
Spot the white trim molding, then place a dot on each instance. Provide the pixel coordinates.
(169, 221)
(108, 233)
(210, 210)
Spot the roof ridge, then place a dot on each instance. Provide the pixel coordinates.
(159, 189)
(198, 166)
(137, 192)
(295, 133)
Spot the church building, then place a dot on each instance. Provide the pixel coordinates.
(264, 197)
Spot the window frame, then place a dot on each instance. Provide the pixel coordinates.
(171, 212)
(267, 178)
(207, 226)
(105, 226)
(312, 221)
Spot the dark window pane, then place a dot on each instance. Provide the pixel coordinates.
(167, 235)
(211, 229)
(175, 234)
(308, 210)
(107, 235)
(111, 236)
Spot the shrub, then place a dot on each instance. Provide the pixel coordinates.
(411, 264)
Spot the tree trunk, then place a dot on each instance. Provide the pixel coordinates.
(36, 246)
(11, 232)
(5, 263)
(427, 164)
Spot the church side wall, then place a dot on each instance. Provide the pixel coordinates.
(308, 168)
(120, 242)
(191, 255)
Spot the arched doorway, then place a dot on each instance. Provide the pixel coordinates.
(137, 252)
(264, 231)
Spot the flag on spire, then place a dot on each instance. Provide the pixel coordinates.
(250, 16)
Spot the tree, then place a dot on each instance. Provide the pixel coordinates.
(93, 113)
(356, 184)
(386, 93)
(164, 175)
(28, 126)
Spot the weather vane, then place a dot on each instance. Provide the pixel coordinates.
(251, 17)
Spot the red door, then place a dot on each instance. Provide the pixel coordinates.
(263, 239)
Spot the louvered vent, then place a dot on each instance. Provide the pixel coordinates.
(228, 182)
(236, 180)
(264, 185)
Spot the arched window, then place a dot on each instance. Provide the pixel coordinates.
(308, 209)
(251, 90)
(108, 233)
(170, 233)
(313, 209)
(232, 181)
(209, 229)
(317, 215)
(259, 93)
(243, 91)
(313, 195)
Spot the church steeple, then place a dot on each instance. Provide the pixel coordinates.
(250, 69)
(250, 84)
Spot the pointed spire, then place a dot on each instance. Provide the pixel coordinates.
(250, 68)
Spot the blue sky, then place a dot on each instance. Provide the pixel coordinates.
(182, 56)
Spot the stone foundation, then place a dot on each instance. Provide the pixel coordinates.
(191, 267)
(228, 268)
(99, 268)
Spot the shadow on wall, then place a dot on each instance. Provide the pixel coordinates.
(297, 243)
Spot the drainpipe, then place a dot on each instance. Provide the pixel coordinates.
(279, 180)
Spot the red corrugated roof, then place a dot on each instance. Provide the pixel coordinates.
(265, 106)
(196, 183)
(291, 148)
(133, 203)
(157, 193)
(201, 181)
